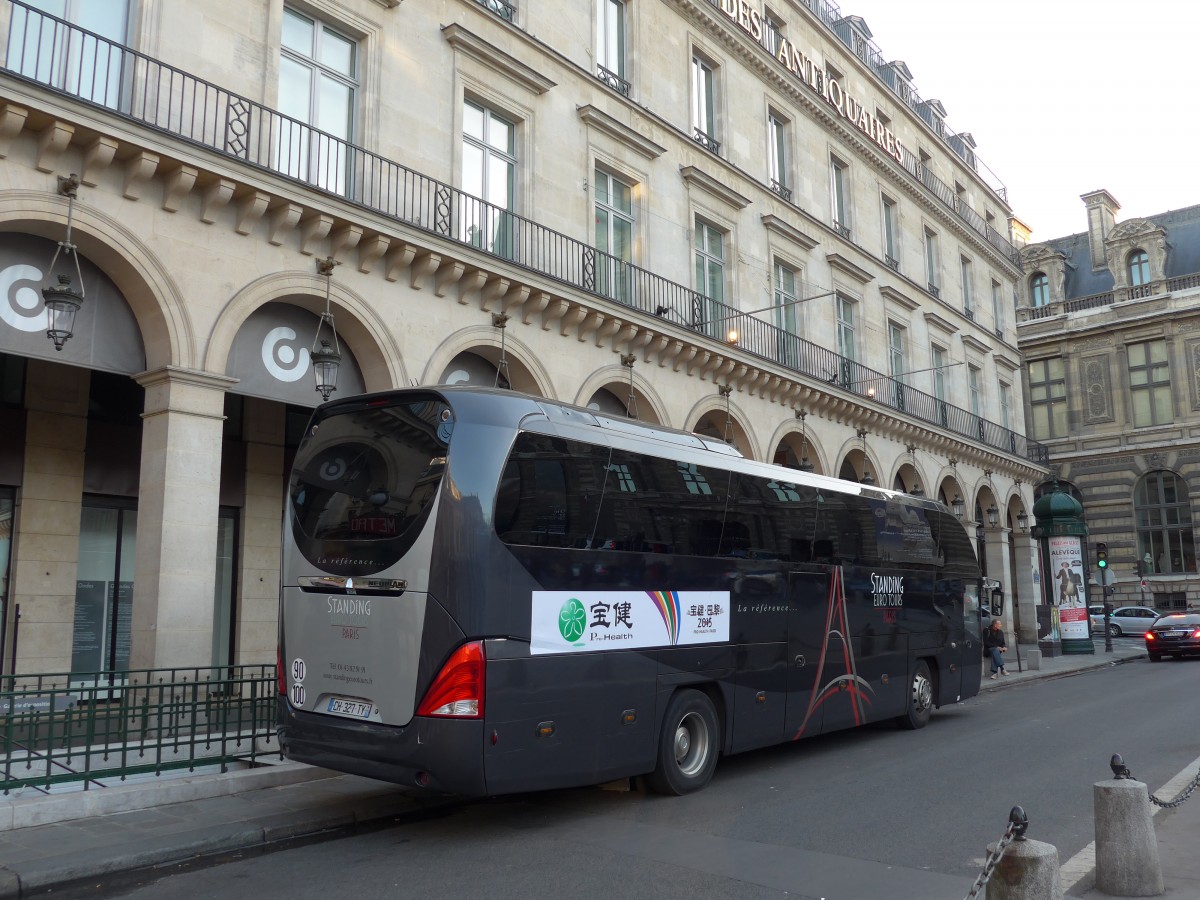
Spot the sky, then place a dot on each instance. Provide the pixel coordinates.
(1063, 97)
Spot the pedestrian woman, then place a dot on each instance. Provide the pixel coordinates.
(993, 643)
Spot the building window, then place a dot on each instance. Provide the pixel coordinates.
(614, 236)
(787, 313)
(975, 389)
(937, 372)
(840, 191)
(891, 253)
(1139, 273)
(710, 274)
(1006, 405)
(897, 362)
(1166, 544)
(964, 268)
(1149, 383)
(773, 31)
(489, 172)
(1139, 268)
(777, 155)
(318, 79)
(1039, 289)
(931, 263)
(610, 44)
(41, 49)
(998, 308)
(1048, 398)
(704, 104)
(846, 338)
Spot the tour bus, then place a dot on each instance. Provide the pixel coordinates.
(485, 592)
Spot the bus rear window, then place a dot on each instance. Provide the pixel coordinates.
(368, 477)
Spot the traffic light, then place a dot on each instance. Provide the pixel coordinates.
(1101, 555)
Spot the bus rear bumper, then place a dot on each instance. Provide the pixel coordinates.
(442, 755)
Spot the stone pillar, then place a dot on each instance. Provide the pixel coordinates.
(1028, 594)
(998, 557)
(262, 517)
(46, 546)
(178, 503)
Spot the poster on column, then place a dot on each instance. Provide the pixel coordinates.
(1069, 592)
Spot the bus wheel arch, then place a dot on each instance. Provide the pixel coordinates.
(922, 691)
(689, 743)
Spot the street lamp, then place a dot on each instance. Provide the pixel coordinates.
(1023, 520)
(957, 506)
(993, 515)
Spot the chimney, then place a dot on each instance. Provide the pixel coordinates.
(1102, 216)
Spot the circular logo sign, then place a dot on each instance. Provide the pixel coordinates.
(571, 619)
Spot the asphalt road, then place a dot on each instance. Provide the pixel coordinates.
(877, 813)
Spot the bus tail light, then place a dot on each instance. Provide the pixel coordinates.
(457, 691)
(279, 680)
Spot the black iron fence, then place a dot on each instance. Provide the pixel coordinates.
(78, 63)
(86, 729)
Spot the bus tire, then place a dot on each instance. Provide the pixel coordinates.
(687, 745)
(920, 698)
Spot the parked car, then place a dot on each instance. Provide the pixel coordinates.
(1125, 620)
(1176, 634)
(1096, 616)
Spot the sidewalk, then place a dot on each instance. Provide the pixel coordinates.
(67, 841)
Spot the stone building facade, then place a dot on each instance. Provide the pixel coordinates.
(580, 199)
(1110, 328)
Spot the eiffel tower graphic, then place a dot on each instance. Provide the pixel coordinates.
(837, 628)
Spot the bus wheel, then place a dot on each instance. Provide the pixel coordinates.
(687, 747)
(920, 698)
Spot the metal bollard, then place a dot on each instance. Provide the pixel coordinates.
(1127, 863)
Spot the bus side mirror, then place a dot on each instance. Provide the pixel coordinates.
(997, 604)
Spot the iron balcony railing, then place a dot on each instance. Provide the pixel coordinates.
(762, 339)
(86, 729)
(54, 54)
(613, 80)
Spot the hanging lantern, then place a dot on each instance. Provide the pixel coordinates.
(62, 300)
(327, 358)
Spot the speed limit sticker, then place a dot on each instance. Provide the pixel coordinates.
(298, 669)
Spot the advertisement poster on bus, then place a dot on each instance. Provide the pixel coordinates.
(586, 621)
(1069, 592)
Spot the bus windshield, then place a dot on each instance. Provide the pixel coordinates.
(365, 478)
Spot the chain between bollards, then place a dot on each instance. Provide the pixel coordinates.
(1018, 824)
(1120, 770)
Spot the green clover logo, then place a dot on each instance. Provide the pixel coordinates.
(571, 619)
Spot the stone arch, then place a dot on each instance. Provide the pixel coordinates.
(910, 475)
(852, 452)
(168, 334)
(739, 435)
(357, 323)
(799, 441)
(612, 377)
(948, 483)
(526, 373)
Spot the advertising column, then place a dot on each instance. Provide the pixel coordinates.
(1069, 598)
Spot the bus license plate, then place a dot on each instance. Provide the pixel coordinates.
(356, 709)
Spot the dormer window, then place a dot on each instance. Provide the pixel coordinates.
(1039, 289)
(1139, 268)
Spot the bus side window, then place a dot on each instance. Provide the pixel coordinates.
(550, 492)
(633, 505)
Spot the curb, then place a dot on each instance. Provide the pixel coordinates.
(27, 812)
(82, 874)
